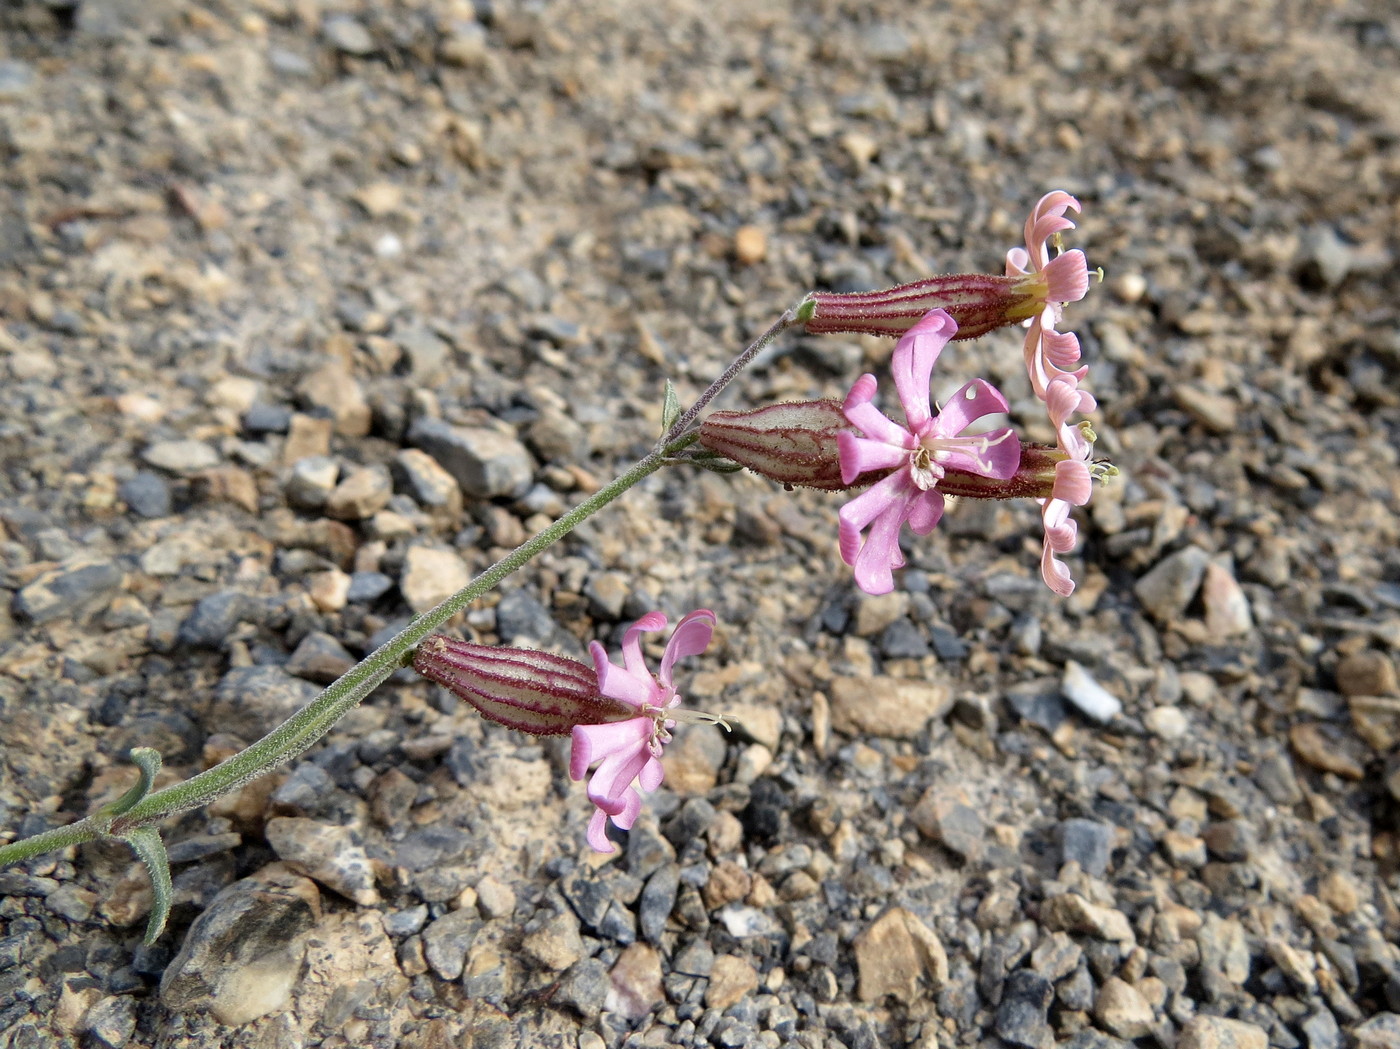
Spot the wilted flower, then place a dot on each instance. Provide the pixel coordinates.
(919, 454)
(630, 751)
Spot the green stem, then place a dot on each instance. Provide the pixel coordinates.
(312, 722)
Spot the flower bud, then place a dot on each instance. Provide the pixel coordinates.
(535, 692)
(792, 443)
(978, 302)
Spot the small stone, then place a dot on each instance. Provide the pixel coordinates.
(657, 901)
(347, 35)
(367, 587)
(607, 593)
(556, 944)
(1227, 607)
(1167, 723)
(890, 707)
(320, 658)
(430, 576)
(311, 481)
(329, 591)
(181, 457)
(1088, 843)
(214, 619)
(486, 463)
(494, 898)
(1122, 1009)
(16, 79)
(1298, 966)
(584, 988)
(146, 494)
(874, 614)
(447, 940)
(418, 474)
(1321, 1030)
(1070, 912)
(1324, 747)
(635, 981)
(894, 953)
(242, 956)
(1366, 673)
(337, 392)
(262, 418)
(1021, 1015)
(1167, 590)
(1080, 688)
(362, 493)
(379, 199)
(1184, 850)
(325, 853)
(750, 245)
(65, 591)
(521, 616)
(71, 902)
(731, 980)
(1338, 891)
(1056, 956)
(1216, 1032)
(958, 827)
(251, 701)
(1217, 412)
(111, 1021)
(1230, 841)
(307, 436)
(1376, 719)
(1381, 1031)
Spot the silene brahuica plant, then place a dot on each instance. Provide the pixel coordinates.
(892, 472)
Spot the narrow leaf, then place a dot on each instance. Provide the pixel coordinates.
(146, 843)
(670, 408)
(147, 762)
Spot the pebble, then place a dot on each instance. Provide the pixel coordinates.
(657, 900)
(362, 493)
(1324, 747)
(635, 982)
(241, 957)
(1366, 673)
(1056, 956)
(430, 576)
(1021, 1016)
(895, 955)
(1122, 1009)
(16, 79)
(336, 392)
(1088, 843)
(1079, 687)
(1167, 590)
(367, 587)
(1227, 608)
(418, 474)
(146, 494)
(251, 701)
(556, 944)
(1167, 723)
(111, 1021)
(1381, 1031)
(327, 854)
(446, 941)
(347, 35)
(890, 707)
(319, 657)
(487, 464)
(1070, 912)
(521, 617)
(584, 989)
(731, 980)
(1217, 1032)
(956, 826)
(64, 592)
(311, 481)
(181, 457)
(214, 619)
(329, 591)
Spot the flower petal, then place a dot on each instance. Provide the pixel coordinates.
(1067, 277)
(1073, 482)
(632, 641)
(859, 455)
(925, 510)
(598, 833)
(692, 637)
(620, 683)
(880, 553)
(870, 420)
(593, 743)
(864, 508)
(913, 361)
(973, 401)
(611, 784)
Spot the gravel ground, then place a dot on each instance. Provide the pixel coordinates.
(310, 309)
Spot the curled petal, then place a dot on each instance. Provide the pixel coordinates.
(925, 510)
(1046, 219)
(611, 785)
(857, 514)
(692, 637)
(1067, 277)
(880, 554)
(598, 833)
(974, 400)
(913, 360)
(632, 641)
(870, 420)
(622, 683)
(1073, 482)
(859, 455)
(1061, 531)
(598, 742)
(995, 454)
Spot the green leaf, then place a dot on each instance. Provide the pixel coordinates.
(146, 843)
(670, 408)
(147, 762)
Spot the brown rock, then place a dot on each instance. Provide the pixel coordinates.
(362, 493)
(430, 576)
(727, 882)
(635, 982)
(885, 706)
(1366, 673)
(1325, 748)
(893, 953)
(730, 980)
(1216, 1032)
(1122, 1009)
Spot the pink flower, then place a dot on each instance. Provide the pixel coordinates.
(630, 751)
(919, 453)
(1051, 354)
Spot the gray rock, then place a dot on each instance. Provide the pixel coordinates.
(72, 902)
(590, 897)
(361, 493)
(902, 640)
(289, 63)
(251, 701)
(214, 619)
(311, 481)
(584, 988)
(520, 615)
(1021, 1016)
(320, 658)
(181, 457)
(147, 494)
(1167, 590)
(263, 418)
(658, 898)
(1038, 702)
(304, 791)
(1076, 991)
(1381, 1031)
(418, 474)
(446, 941)
(425, 351)
(347, 35)
(66, 590)
(486, 463)
(1088, 843)
(407, 921)
(367, 587)
(241, 957)
(111, 1021)
(1056, 956)
(327, 853)
(1321, 1030)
